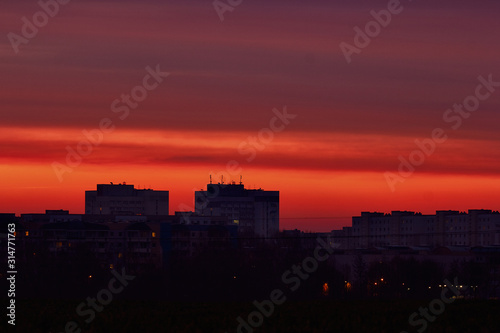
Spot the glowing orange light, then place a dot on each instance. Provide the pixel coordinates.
(326, 289)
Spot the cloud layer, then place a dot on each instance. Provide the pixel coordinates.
(226, 77)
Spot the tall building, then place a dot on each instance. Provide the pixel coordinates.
(255, 211)
(123, 199)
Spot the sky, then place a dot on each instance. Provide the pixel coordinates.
(266, 93)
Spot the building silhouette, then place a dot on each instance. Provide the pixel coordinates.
(478, 227)
(254, 210)
(123, 199)
(140, 243)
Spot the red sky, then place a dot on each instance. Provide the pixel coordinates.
(353, 120)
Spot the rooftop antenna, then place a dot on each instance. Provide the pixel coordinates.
(210, 179)
(222, 179)
(241, 177)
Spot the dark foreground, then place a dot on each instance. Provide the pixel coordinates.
(357, 316)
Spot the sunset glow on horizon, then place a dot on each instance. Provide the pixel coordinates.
(349, 124)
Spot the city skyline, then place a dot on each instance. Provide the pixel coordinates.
(284, 223)
(250, 166)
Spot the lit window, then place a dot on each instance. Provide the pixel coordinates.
(27, 233)
(153, 234)
(111, 266)
(58, 244)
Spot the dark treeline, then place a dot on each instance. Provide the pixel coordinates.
(252, 273)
